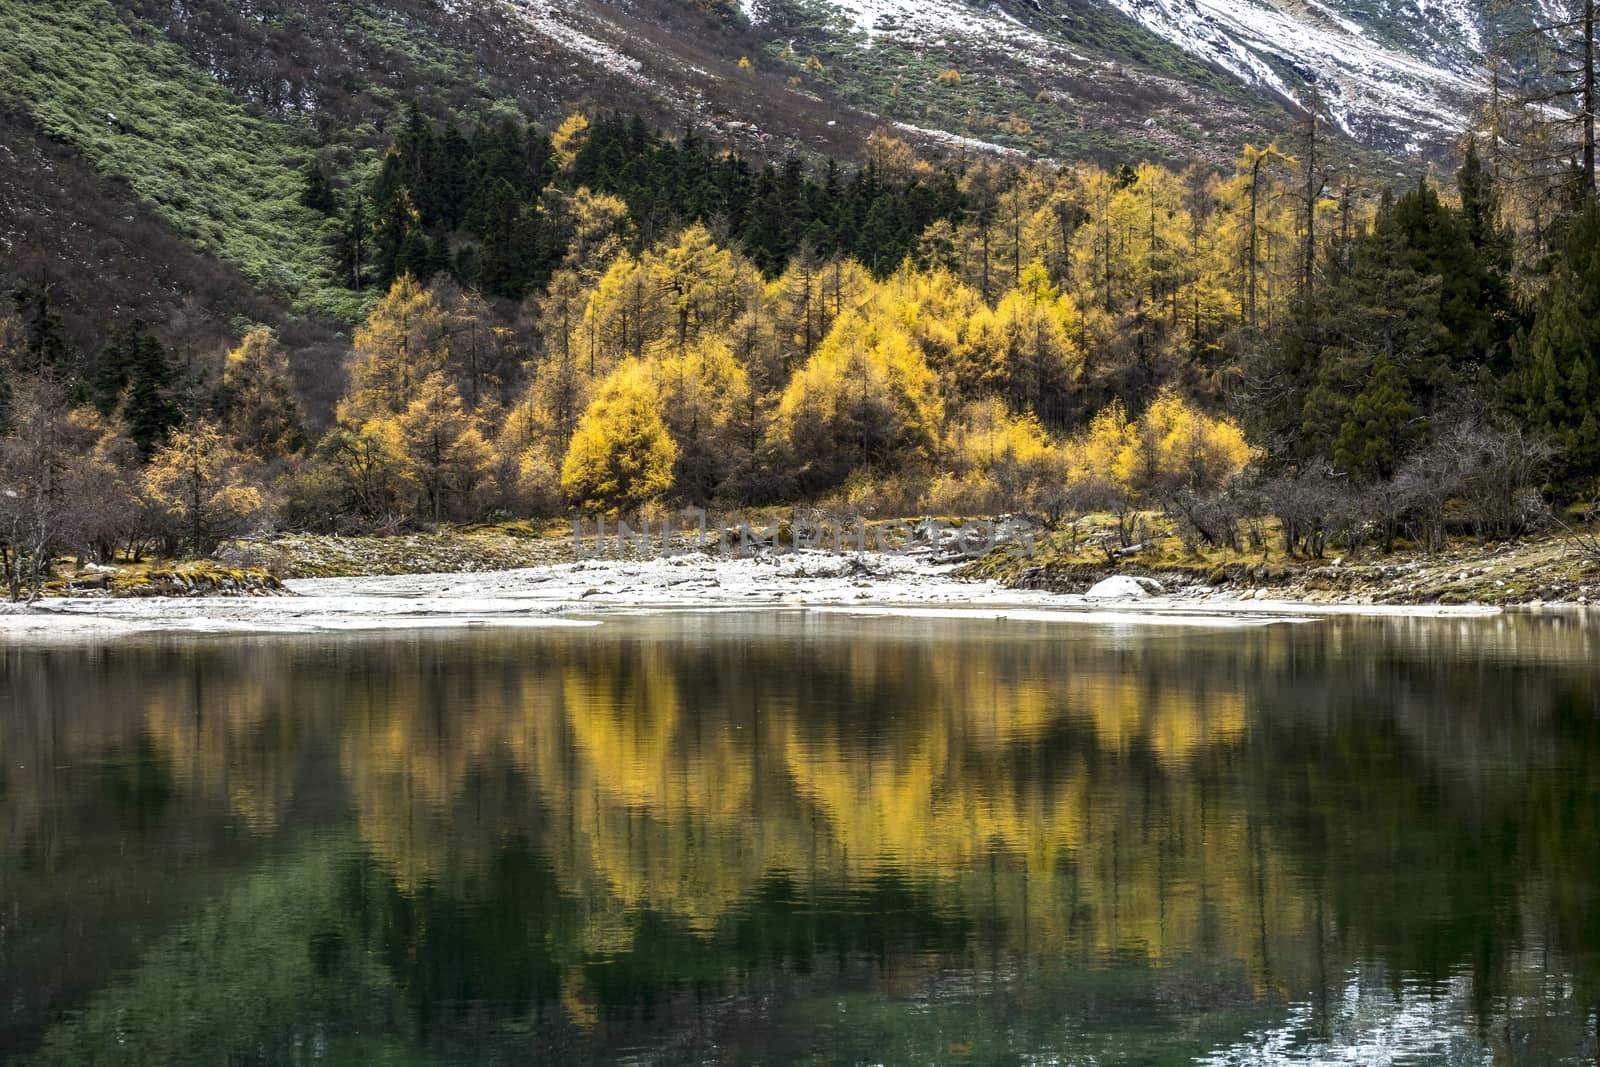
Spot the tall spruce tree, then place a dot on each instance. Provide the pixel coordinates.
(44, 340)
(1380, 427)
(1559, 367)
(1386, 307)
(135, 373)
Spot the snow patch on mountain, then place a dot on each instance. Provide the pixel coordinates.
(1458, 15)
(936, 23)
(555, 23)
(1397, 73)
(1290, 46)
(956, 140)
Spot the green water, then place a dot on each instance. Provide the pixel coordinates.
(780, 838)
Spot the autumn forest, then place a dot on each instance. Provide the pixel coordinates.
(606, 319)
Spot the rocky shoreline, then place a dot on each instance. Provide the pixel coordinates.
(585, 592)
(186, 580)
(1534, 572)
(1531, 573)
(1538, 572)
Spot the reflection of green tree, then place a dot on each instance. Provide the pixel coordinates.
(270, 967)
(490, 944)
(1125, 1012)
(1561, 846)
(1417, 858)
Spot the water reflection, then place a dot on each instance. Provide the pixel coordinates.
(772, 837)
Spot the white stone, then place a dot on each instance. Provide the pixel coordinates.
(1122, 587)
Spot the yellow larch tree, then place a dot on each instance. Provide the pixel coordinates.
(201, 482)
(262, 414)
(1025, 350)
(867, 397)
(622, 454)
(1180, 446)
(445, 453)
(703, 393)
(569, 139)
(996, 461)
(404, 340)
(1258, 229)
(601, 231)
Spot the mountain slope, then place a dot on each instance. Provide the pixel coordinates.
(201, 117)
(193, 122)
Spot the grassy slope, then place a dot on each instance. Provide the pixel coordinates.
(137, 108)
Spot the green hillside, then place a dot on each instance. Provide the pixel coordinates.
(135, 106)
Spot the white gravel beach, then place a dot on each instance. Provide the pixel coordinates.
(582, 593)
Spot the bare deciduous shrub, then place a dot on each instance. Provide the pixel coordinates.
(1214, 519)
(1496, 474)
(1303, 502)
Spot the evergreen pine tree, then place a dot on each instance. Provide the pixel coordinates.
(1380, 427)
(1560, 364)
(317, 192)
(135, 371)
(44, 332)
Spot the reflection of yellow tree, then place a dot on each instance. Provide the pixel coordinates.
(413, 733)
(1092, 856)
(219, 737)
(664, 796)
(1071, 798)
(1051, 788)
(230, 744)
(1174, 722)
(1065, 792)
(1074, 794)
(656, 803)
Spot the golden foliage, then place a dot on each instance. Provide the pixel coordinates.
(263, 416)
(444, 453)
(1069, 286)
(865, 397)
(1181, 445)
(197, 479)
(569, 139)
(703, 392)
(1118, 463)
(403, 341)
(621, 456)
(1024, 349)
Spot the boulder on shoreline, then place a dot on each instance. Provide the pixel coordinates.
(1124, 587)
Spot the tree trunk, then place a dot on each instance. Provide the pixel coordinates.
(1255, 188)
(1589, 101)
(1309, 264)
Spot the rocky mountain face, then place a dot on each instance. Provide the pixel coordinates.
(1105, 78)
(1077, 79)
(1402, 76)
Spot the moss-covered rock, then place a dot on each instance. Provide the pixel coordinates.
(185, 580)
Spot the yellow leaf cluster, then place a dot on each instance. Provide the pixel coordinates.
(621, 455)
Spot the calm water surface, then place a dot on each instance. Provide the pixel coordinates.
(779, 838)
